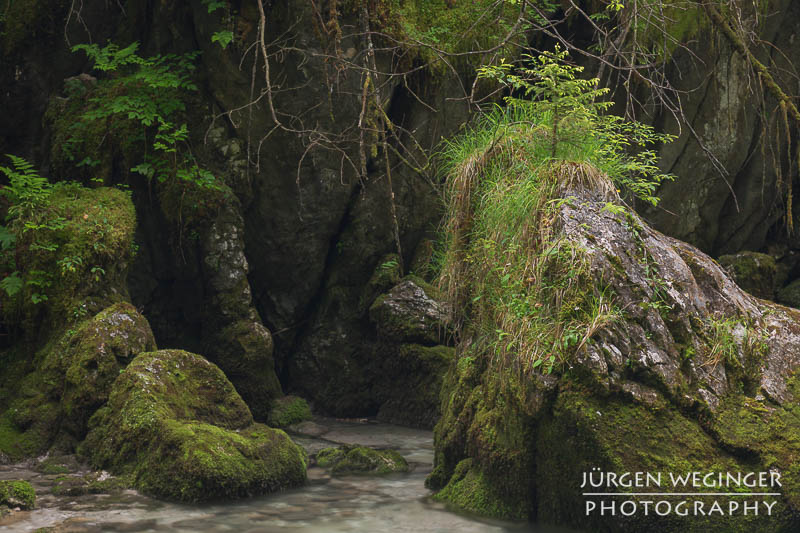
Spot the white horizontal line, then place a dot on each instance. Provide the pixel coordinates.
(682, 494)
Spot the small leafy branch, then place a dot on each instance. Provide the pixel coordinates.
(572, 122)
(223, 37)
(147, 95)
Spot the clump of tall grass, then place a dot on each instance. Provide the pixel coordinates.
(522, 293)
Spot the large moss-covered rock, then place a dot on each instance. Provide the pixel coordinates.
(73, 262)
(177, 425)
(94, 356)
(682, 372)
(73, 379)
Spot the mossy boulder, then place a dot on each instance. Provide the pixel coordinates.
(469, 488)
(73, 379)
(353, 459)
(287, 411)
(408, 313)
(177, 426)
(790, 294)
(15, 494)
(94, 357)
(682, 371)
(754, 272)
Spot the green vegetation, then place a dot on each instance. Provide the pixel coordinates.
(17, 494)
(61, 239)
(524, 292)
(73, 375)
(133, 106)
(287, 411)
(469, 489)
(456, 31)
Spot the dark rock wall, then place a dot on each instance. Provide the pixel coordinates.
(733, 205)
(313, 234)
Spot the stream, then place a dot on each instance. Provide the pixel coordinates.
(394, 503)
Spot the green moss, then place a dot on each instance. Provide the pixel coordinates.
(754, 272)
(585, 432)
(414, 383)
(287, 411)
(176, 425)
(77, 263)
(470, 489)
(72, 378)
(27, 427)
(350, 459)
(772, 434)
(17, 494)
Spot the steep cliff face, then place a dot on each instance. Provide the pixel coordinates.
(731, 156)
(293, 240)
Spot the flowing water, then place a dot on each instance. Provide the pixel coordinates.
(395, 503)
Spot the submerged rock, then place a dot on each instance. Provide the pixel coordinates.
(673, 369)
(91, 483)
(177, 426)
(353, 459)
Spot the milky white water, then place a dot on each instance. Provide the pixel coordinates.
(392, 504)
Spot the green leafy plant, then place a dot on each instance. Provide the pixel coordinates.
(522, 292)
(57, 235)
(26, 191)
(143, 98)
(572, 123)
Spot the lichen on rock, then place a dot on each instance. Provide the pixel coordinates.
(177, 426)
(408, 314)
